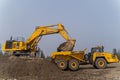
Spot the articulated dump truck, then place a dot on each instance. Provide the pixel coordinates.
(72, 59)
(65, 57)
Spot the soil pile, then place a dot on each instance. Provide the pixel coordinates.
(66, 46)
(35, 69)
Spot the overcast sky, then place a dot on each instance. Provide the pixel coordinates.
(90, 22)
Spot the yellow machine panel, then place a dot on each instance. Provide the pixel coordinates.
(109, 57)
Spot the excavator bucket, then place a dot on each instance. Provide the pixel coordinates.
(66, 46)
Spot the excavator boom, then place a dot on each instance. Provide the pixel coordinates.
(33, 40)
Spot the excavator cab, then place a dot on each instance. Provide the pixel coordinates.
(9, 44)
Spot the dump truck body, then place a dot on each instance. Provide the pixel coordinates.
(67, 55)
(68, 59)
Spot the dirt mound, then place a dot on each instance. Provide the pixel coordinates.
(28, 69)
(20, 68)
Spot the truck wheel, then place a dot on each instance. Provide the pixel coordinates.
(100, 63)
(62, 64)
(73, 64)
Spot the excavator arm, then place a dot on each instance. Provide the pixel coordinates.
(33, 40)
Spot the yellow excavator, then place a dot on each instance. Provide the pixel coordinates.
(29, 47)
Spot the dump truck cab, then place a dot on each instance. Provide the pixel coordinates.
(97, 49)
(99, 59)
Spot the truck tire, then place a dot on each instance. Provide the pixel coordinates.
(62, 64)
(73, 65)
(100, 63)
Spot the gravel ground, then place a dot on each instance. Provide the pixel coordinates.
(12, 68)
